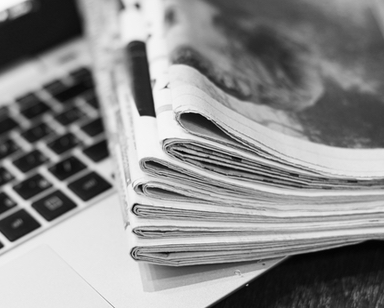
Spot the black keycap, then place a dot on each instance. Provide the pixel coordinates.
(89, 186)
(55, 86)
(7, 124)
(35, 110)
(67, 168)
(30, 161)
(93, 128)
(72, 91)
(4, 111)
(27, 100)
(7, 147)
(6, 203)
(69, 116)
(98, 151)
(82, 73)
(53, 205)
(17, 225)
(37, 132)
(92, 100)
(63, 143)
(32, 186)
(5, 176)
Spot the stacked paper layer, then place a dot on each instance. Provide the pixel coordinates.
(265, 135)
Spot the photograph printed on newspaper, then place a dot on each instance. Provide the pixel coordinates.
(308, 74)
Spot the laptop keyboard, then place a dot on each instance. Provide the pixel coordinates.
(52, 151)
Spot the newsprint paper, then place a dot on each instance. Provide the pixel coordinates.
(264, 136)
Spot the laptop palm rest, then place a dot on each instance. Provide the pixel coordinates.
(42, 279)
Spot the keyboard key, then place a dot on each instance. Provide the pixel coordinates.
(7, 124)
(73, 91)
(53, 205)
(92, 100)
(55, 86)
(27, 100)
(17, 225)
(69, 116)
(4, 111)
(82, 73)
(98, 151)
(37, 132)
(30, 161)
(93, 128)
(32, 186)
(5, 176)
(67, 168)
(35, 110)
(89, 186)
(7, 147)
(6, 203)
(64, 143)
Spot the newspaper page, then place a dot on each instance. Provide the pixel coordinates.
(303, 91)
(183, 232)
(183, 215)
(201, 163)
(223, 249)
(248, 178)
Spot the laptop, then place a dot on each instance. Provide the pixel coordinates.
(62, 240)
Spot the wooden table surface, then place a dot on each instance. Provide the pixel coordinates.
(351, 276)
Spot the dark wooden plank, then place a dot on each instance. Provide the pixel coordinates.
(351, 276)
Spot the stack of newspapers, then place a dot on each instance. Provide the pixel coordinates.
(258, 131)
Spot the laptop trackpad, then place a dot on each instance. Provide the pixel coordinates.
(42, 279)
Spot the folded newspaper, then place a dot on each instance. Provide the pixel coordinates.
(264, 136)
